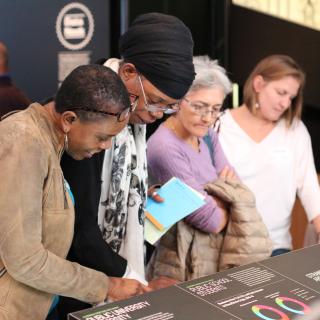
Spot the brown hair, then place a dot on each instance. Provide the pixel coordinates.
(273, 68)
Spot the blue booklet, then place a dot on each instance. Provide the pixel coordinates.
(179, 201)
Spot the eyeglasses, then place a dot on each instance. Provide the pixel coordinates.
(121, 116)
(168, 109)
(203, 109)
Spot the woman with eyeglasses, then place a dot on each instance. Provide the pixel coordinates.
(185, 146)
(111, 189)
(271, 148)
(178, 148)
(36, 205)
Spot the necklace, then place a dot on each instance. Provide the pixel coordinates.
(194, 143)
(171, 126)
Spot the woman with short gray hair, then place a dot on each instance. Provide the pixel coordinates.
(186, 147)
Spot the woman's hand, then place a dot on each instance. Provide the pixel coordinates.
(152, 193)
(122, 288)
(162, 282)
(228, 174)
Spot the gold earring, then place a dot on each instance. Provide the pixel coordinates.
(66, 142)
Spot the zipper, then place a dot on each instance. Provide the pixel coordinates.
(3, 271)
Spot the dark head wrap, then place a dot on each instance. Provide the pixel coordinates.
(161, 48)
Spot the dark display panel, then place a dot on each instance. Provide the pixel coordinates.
(286, 287)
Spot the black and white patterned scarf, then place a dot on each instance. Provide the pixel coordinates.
(123, 195)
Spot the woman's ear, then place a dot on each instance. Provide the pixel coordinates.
(67, 120)
(258, 83)
(127, 72)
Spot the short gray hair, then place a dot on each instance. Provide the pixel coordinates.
(210, 75)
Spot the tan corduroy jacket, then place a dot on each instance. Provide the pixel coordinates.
(185, 253)
(36, 221)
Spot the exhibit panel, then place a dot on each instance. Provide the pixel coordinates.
(282, 287)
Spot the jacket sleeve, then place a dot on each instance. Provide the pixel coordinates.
(24, 169)
(88, 247)
(246, 239)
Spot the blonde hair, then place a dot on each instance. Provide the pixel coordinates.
(273, 68)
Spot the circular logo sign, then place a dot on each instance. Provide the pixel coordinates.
(74, 26)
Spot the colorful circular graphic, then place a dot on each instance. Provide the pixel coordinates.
(280, 302)
(257, 308)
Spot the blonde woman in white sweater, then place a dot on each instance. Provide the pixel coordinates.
(270, 148)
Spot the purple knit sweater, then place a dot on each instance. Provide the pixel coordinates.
(170, 156)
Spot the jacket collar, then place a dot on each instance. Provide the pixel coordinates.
(44, 119)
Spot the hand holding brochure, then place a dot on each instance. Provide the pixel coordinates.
(179, 201)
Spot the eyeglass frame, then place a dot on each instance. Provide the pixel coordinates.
(213, 113)
(106, 113)
(132, 107)
(156, 108)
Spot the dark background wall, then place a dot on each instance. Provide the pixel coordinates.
(28, 28)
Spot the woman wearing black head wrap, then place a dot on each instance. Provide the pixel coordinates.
(157, 70)
(161, 48)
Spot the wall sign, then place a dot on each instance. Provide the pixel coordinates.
(75, 26)
(48, 39)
